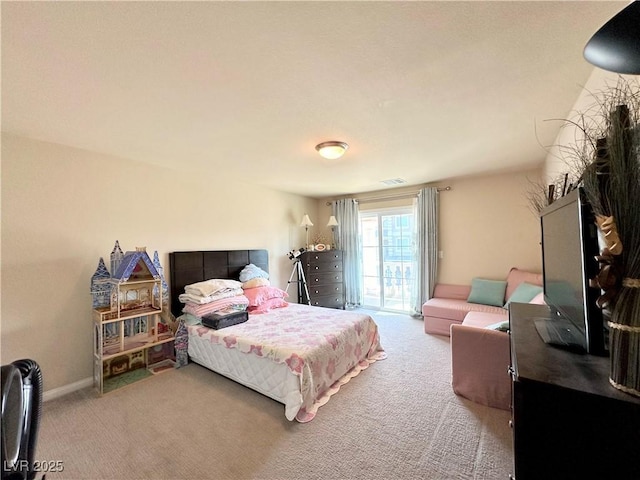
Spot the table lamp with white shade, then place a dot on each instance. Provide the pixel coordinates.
(333, 223)
(306, 223)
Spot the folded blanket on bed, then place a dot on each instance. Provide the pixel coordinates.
(197, 299)
(211, 287)
(204, 309)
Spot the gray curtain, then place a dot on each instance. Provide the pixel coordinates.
(426, 245)
(348, 240)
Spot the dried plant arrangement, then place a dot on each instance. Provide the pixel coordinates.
(612, 186)
(541, 195)
(605, 161)
(319, 238)
(591, 126)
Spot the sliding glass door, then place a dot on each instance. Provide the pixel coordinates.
(388, 260)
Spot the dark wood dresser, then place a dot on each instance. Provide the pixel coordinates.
(323, 272)
(568, 421)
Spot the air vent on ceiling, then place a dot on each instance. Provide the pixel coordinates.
(394, 181)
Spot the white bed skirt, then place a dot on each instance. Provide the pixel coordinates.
(275, 380)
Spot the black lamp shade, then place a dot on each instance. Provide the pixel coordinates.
(616, 46)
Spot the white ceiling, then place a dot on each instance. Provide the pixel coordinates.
(423, 91)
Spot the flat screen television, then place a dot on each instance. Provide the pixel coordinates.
(569, 248)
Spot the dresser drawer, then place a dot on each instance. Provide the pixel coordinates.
(320, 257)
(322, 290)
(324, 267)
(323, 278)
(331, 301)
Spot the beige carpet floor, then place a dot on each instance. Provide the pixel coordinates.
(399, 419)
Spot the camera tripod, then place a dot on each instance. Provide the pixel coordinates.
(301, 281)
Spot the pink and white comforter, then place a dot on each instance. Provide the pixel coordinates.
(323, 347)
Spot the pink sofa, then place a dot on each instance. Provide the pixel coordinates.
(449, 303)
(479, 355)
(449, 306)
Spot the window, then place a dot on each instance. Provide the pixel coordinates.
(387, 257)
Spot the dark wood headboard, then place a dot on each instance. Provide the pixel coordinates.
(191, 267)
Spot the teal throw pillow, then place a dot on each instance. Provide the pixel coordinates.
(487, 292)
(524, 293)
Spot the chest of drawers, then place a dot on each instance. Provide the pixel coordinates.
(568, 421)
(323, 272)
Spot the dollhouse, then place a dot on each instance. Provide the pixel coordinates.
(131, 339)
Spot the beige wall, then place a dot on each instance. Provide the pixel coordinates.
(486, 225)
(63, 208)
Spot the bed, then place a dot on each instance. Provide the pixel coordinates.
(299, 355)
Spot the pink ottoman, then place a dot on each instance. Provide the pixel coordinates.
(480, 359)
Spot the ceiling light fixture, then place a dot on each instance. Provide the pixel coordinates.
(331, 150)
(616, 46)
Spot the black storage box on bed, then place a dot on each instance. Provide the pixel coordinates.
(224, 318)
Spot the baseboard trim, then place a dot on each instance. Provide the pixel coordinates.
(66, 389)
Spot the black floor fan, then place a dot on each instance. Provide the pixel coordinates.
(21, 412)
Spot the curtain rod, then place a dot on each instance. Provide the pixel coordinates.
(397, 196)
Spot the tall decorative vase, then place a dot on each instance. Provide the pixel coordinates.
(624, 338)
(613, 180)
(622, 193)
